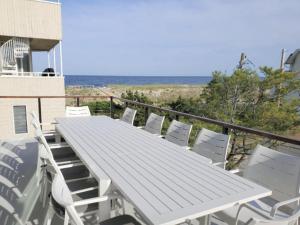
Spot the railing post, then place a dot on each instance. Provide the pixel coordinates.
(146, 113)
(111, 107)
(177, 117)
(40, 111)
(77, 102)
(225, 130)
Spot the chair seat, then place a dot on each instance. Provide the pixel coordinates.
(121, 220)
(264, 206)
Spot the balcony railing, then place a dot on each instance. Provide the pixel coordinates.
(30, 74)
(226, 127)
(49, 1)
(243, 138)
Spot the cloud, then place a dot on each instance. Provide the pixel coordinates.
(175, 37)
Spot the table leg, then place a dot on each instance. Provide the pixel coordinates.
(104, 207)
(204, 220)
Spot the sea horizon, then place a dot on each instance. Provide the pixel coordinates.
(105, 80)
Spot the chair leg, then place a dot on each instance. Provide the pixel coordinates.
(49, 216)
(45, 191)
(205, 220)
(42, 183)
(123, 206)
(57, 138)
(66, 221)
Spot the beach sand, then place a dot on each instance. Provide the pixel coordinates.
(156, 93)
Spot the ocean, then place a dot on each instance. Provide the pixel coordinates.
(103, 81)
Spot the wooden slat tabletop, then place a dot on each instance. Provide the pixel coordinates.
(166, 183)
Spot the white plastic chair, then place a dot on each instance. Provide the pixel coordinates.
(64, 163)
(276, 171)
(8, 216)
(212, 145)
(154, 124)
(77, 111)
(73, 210)
(179, 133)
(262, 219)
(64, 206)
(128, 115)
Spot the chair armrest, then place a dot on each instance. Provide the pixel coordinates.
(221, 163)
(66, 166)
(48, 124)
(283, 203)
(96, 200)
(59, 145)
(84, 190)
(91, 201)
(234, 171)
(250, 208)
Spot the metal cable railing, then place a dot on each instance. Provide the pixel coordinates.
(226, 127)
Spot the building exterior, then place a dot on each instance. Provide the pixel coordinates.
(29, 26)
(293, 61)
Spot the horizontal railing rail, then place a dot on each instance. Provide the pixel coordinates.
(226, 126)
(49, 1)
(30, 74)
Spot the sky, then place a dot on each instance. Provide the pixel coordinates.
(175, 37)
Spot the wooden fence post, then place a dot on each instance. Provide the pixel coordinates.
(111, 107)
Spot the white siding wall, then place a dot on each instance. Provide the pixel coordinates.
(30, 18)
(29, 86)
(296, 65)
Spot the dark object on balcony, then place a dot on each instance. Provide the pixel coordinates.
(48, 72)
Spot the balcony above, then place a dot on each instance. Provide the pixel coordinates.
(38, 20)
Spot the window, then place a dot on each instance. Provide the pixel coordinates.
(20, 119)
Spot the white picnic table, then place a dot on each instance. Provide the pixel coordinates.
(165, 183)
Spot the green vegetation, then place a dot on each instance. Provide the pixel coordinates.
(269, 104)
(241, 98)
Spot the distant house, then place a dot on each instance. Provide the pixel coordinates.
(293, 64)
(293, 61)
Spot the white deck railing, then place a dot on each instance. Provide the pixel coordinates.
(30, 74)
(49, 1)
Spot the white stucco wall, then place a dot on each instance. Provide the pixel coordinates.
(29, 86)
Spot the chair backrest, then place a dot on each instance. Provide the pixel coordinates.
(275, 170)
(9, 216)
(61, 192)
(179, 133)
(212, 145)
(34, 116)
(35, 120)
(128, 115)
(77, 111)
(62, 195)
(45, 151)
(154, 123)
(286, 221)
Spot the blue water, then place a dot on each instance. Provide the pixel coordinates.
(102, 81)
